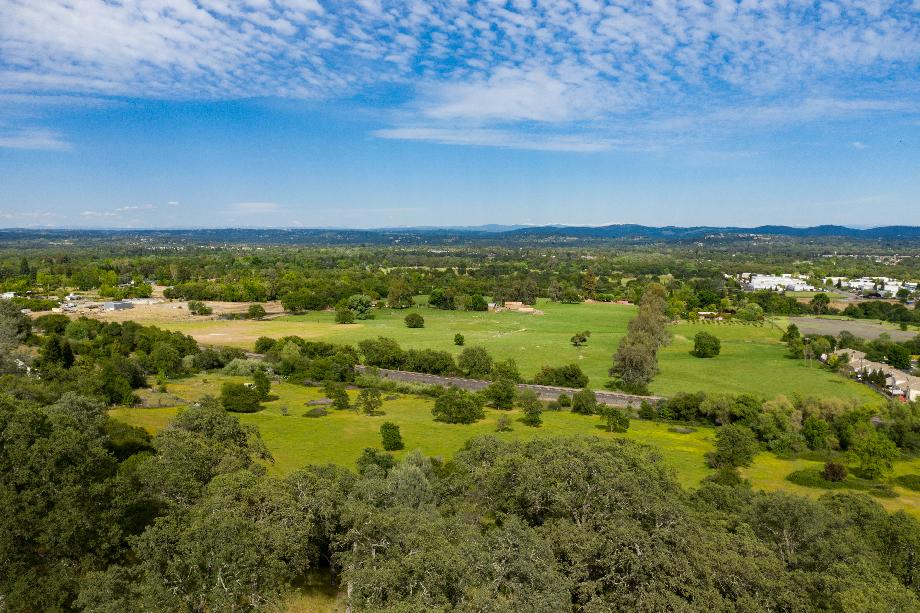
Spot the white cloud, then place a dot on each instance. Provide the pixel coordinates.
(513, 94)
(32, 138)
(135, 207)
(500, 138)
(28, 215)
(98, 214)
(856, 144)
(488, 65)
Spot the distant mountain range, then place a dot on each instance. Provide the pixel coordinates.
(678, 233)
(447, 235)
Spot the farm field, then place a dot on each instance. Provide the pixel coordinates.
(752, 361)
(339, 437)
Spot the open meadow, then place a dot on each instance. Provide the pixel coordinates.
(339, 437)
(753, 360)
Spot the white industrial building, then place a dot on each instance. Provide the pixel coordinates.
(785, 282)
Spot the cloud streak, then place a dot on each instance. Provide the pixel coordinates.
(32, 138)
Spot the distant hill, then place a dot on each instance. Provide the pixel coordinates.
(493, 233)
(674, 232)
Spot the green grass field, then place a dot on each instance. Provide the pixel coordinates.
(753, 359)
(339, 437)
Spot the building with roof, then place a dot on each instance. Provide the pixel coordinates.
(898, 383)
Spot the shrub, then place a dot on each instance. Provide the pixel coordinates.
(570, 375)
(503, 424)
(369, 401)
(506, 369)
(430, 361)
(371, 459)
(414, 320)
(196, 307)
(344, 316)
(239, 398)
(705, 345)
(337, 394)
(475, 362)
(500, 394)
(834, 471)
(390, 437)
(456, 406)
(911, 482)
(382, 352)
(874, 452)
(810, 477)
(316, 412)
(584, 402)
(256, 311)
(616, 419)
(647, 410)
(241, 367)
(736, 446)
(531, 407)
(459, 340)
(564, 400)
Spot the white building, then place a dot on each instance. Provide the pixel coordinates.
(781, 283)
(7, 295)
(117, 306)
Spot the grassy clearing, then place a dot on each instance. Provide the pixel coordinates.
(753, 360)
(769, 472)
(339, 437)
(814, 479)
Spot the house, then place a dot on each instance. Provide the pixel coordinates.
(118, 305)
(897, 383)
(7, 295)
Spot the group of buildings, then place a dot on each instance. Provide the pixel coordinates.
(885, 287)
(73, 303)
(898, 384)
(779, 283)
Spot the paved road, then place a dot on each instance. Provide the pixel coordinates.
(545, 392)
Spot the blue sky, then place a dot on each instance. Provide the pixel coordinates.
(286, 113)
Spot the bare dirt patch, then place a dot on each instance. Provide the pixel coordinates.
(868, 329)
(174, 311)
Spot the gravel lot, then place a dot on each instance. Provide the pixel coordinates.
(866, 329)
